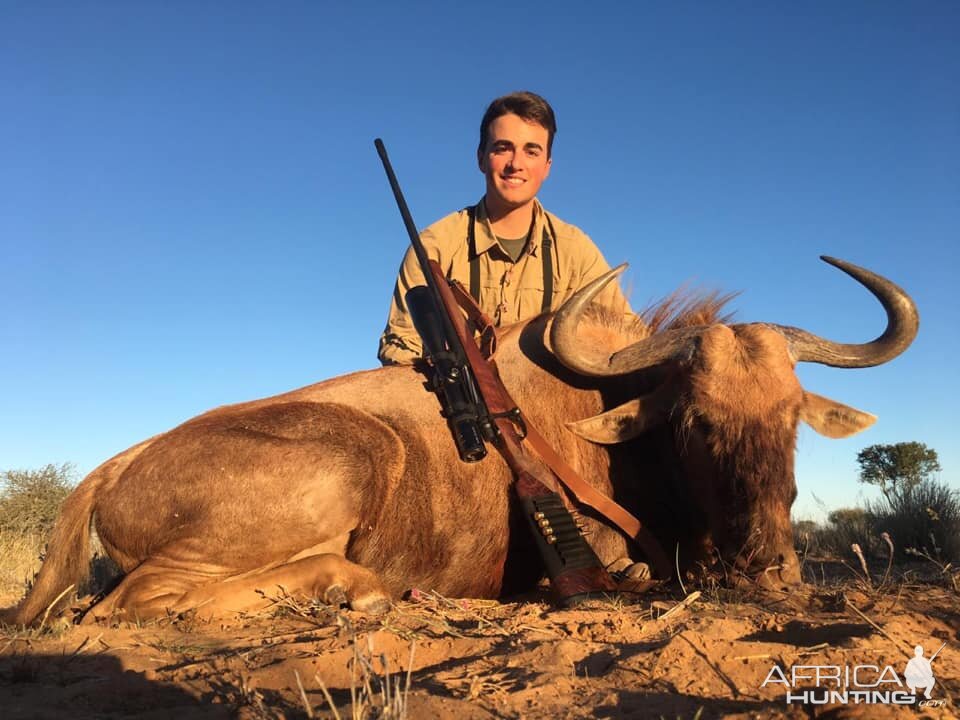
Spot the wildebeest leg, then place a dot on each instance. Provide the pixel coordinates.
(154, 590)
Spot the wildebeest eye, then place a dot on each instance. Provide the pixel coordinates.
(705, 427)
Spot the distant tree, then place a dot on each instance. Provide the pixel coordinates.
(897, 469)
(847, 516)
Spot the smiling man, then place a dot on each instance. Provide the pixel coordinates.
(517, 259)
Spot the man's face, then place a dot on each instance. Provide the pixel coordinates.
(515, 162)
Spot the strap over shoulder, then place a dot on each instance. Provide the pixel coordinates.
(546, 255)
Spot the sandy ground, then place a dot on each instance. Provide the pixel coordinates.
(433, 657)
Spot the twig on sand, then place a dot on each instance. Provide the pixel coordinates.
(761, 656)
(308, 635)
(12, 641)
(82, 645)
(50, 607)
(680, 606)
(326, 694)
(441, 613)
(303, 695)
(406, 692)
(722, 675)
(813, 649)
(879, 629)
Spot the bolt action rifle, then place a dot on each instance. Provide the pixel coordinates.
(478, 410)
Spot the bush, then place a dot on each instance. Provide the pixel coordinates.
(806, 538)
(29, 504)
(845, 527)
(927, 518)
(30, 499)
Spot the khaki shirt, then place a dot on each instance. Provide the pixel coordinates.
(509, 291)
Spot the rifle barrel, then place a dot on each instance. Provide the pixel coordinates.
(453, 377)
(405, 214)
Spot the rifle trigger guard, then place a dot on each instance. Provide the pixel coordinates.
(516, 418)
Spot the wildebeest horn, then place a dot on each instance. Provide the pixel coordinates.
(902, 325)
(594, 363)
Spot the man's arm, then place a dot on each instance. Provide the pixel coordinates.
(590, 264)
(400, 344)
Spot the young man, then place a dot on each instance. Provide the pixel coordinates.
(516, 259)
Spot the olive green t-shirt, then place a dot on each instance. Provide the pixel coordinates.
(514, 248)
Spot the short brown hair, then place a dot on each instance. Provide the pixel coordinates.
(527, 105)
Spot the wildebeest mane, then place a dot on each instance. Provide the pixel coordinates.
(684, 307)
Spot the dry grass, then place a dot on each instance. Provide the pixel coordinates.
(19, 562)
(29, 504)
(947, 572)
(376, 690)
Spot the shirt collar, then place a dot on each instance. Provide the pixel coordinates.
(485, 238)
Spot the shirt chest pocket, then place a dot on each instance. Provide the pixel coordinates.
(535, 294)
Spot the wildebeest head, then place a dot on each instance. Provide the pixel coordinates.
(733, 401)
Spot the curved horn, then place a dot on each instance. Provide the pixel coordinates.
(903, 322)
(588, 361)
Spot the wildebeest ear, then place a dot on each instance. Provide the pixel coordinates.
(833, 419)
(622, 423)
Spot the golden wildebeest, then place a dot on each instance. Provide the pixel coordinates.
(351, 490)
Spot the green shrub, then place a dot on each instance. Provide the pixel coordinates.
(927, 518)
(845, 527)
(30, 499)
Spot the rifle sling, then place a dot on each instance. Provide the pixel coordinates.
(501, 407)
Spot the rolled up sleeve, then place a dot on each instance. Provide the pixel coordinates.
(400, 344)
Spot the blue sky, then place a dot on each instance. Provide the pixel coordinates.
(192, 212)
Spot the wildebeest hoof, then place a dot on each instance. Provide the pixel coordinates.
(626, 569)
(374, 604)
(619, 565)
(638, 571)
(335, 596)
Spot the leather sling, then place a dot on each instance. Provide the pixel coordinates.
(502, 406)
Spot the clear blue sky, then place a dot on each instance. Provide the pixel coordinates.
(192, 212)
